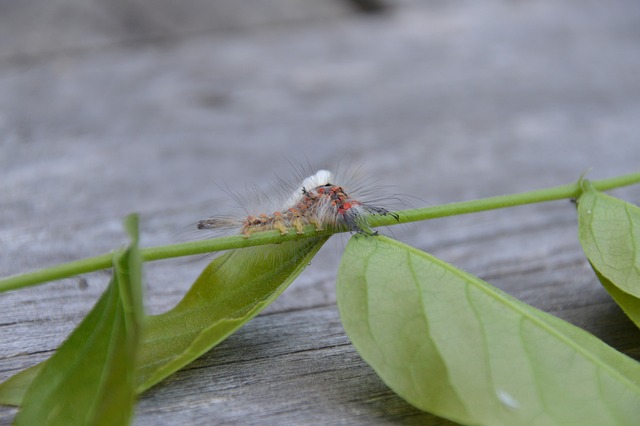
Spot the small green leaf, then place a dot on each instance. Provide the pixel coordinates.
(609, 231)
(451, 344)
(90, 378)
(233, 289)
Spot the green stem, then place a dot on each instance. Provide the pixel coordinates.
(572, 190)
(271, 237)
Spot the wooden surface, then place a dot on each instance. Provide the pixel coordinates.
(112, 107)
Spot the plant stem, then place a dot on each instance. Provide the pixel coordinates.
(97, 263)
(572, 190)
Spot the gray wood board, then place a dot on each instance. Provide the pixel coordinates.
(44, 28)
(445, 101)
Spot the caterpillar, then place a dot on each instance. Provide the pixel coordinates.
(317, 201)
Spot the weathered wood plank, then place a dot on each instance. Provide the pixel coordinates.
(29, 28)
(447, 102)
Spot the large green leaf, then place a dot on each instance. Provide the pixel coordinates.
(233, 289)
(451, 344)
(609, 231)
(90, 378)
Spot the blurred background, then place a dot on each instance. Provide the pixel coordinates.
(114, 106)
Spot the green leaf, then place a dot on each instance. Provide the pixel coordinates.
(609, 231)
(451, 344)
(233, 289)
(13, 389)
(90, 379)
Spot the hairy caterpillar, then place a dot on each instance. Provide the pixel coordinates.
(317, 201)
